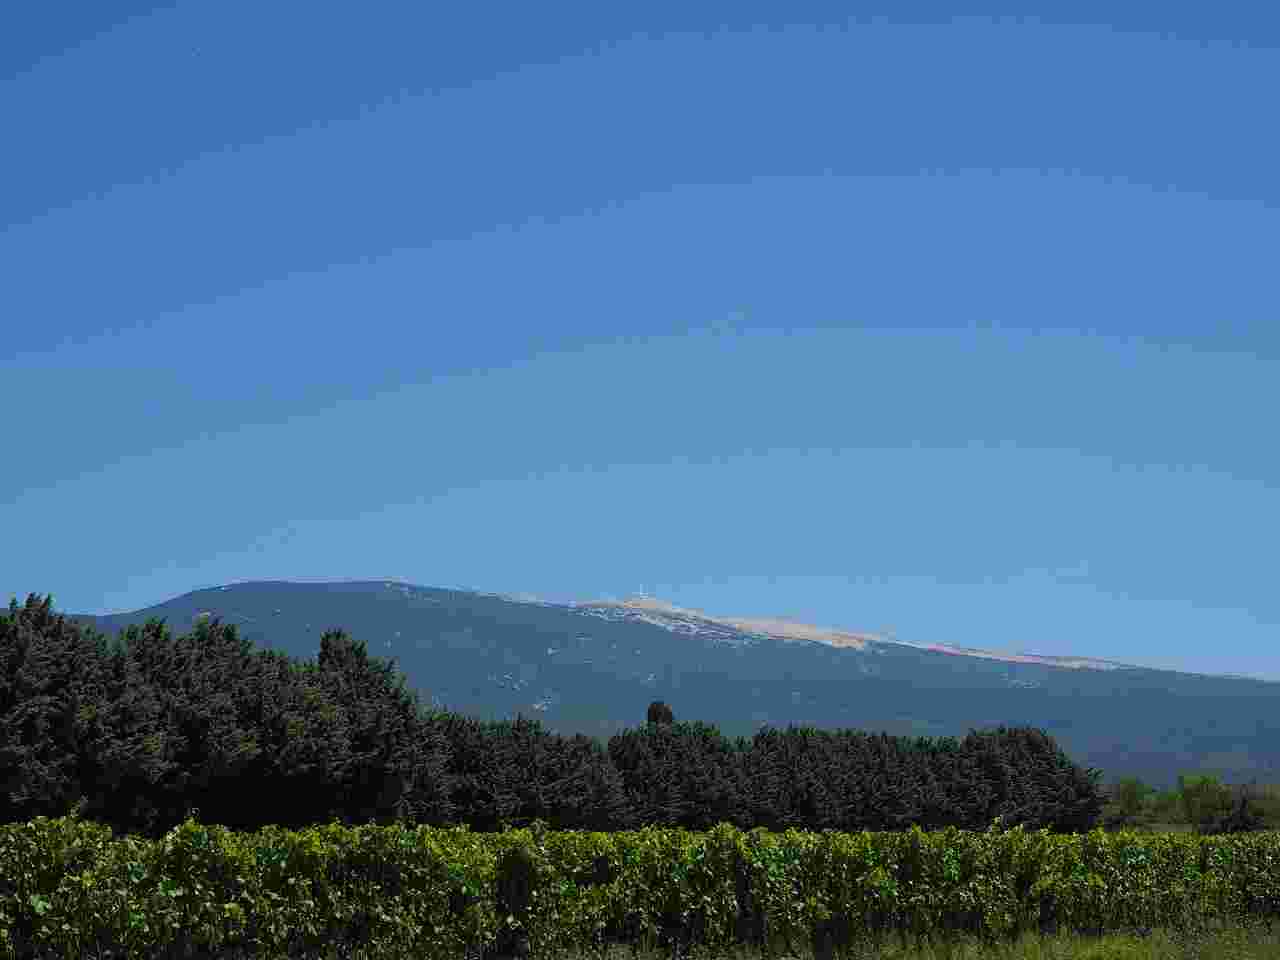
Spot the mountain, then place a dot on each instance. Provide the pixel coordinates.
(594, 668)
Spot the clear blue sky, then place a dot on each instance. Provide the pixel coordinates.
(961, 326)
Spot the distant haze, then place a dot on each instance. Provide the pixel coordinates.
(961, 330)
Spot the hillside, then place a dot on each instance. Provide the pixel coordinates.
(594, 667)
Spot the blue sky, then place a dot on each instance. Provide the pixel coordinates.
(936, 321)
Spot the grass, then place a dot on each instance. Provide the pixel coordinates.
(1236, 942)
(1240, 942)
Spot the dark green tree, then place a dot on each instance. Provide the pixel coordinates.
(1203, 799)
(683, 774)
(1130, 798)
(1244, 815)
(659, 712)
(48, 673)
(385, 755)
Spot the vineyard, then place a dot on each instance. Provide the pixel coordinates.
(432, 894)
(192, 797)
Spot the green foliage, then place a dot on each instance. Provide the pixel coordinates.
(1244, 815)
(1131, 795)
(423, 893)
(135, 736)
(1166, 718)
(146, 730)
(1200, 804)
(1203, 798)
(517, 877)
(159, 724)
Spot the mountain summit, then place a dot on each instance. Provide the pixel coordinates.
(680, 619)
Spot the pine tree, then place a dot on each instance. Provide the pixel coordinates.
(659, 712)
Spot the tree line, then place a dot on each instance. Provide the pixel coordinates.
(142, 731)
(1200, 802)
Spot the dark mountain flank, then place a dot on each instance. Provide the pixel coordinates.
(594, 668)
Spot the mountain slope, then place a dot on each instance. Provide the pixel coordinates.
(593, 668)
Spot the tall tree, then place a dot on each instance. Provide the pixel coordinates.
(52, 679)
